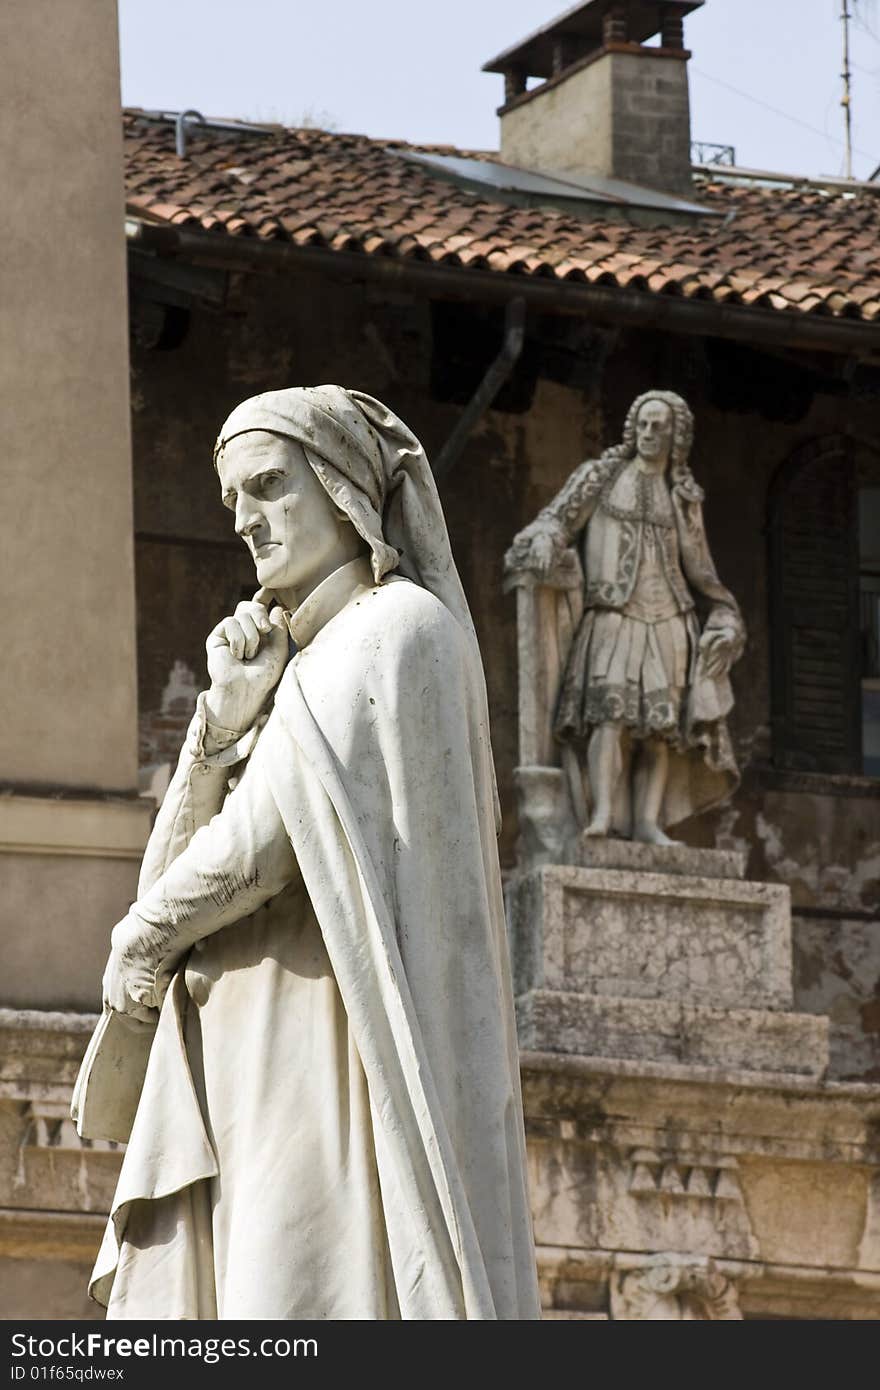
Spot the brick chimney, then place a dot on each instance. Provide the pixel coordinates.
(609, 105)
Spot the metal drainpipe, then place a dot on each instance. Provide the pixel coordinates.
(497, 374)
(180, 129)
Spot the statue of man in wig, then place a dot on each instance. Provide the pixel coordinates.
(646, 632)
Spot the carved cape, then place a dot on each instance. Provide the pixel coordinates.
(377, 762)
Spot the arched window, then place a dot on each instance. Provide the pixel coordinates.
(825, 608)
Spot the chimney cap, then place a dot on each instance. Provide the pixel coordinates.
(584, 25)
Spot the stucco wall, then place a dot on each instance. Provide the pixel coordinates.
(68, 690)
(71, 826)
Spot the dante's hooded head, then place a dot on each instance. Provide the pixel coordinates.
(374, 469)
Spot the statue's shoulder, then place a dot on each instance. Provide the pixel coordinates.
(395, 631)
(594, 473)
(396, 617)
(414, 614)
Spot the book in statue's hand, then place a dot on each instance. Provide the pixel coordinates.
(111, 1077)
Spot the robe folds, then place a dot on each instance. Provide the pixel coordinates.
(345, 1022)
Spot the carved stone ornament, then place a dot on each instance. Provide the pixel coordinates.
(670, 1288)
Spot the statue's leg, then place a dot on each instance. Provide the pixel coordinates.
(574, 775)
(649, 784)
(622, 801)
(604, 761)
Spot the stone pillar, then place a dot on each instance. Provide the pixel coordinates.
(71, 824)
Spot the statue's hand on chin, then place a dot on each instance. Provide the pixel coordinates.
(247, 653)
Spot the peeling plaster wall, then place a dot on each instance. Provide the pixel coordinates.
(573, 386)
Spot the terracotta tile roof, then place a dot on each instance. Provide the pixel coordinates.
(802, 250)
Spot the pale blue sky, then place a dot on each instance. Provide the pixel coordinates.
(407, 69)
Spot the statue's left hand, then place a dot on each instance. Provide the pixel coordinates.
(247, 653)
(129, 989)
(716, 651)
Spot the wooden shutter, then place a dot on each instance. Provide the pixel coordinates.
(814, 634)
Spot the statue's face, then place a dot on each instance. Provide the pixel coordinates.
(654, 425)
(282, 512)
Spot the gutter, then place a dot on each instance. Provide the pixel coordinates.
(600, 303)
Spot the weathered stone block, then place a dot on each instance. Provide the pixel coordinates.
(635, 1167)
(720, 943)
(655, 1030)
(595, 853)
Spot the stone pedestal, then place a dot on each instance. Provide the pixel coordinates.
(658, 954)
(673, 1191)
(688, 1157)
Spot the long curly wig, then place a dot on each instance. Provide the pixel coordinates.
(681, 478)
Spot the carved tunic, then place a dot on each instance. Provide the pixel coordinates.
(630, 657)
(652, 599)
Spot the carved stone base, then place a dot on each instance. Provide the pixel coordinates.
(592, 853)
(667, 1191)
(55, 1188)
(648, 1181)
(659, 967)
(547, 826)
(660, 1030)
(549, 835)
(720, 942)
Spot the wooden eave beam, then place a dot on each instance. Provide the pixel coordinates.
(604, 304)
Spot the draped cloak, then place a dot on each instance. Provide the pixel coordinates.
(373, 784)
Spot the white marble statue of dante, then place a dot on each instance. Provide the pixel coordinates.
(643, 690)
(330, 1123)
